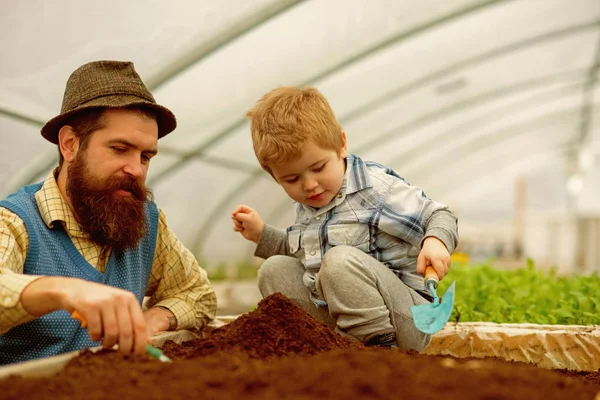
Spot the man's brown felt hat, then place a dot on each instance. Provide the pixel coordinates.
(107, 84)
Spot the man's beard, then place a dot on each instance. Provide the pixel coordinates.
(110, 219)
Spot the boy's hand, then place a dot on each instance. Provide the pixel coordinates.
(434, 253)
(247, 222)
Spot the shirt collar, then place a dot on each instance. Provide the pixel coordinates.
(357, 177)
(54, 208)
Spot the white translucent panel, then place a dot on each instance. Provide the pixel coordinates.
(21, 144)
(314, 37)
(588, 199)
(490, 204)
(523, 67)
(460, 170)
(237, 146)
(220, 241)
(594, 119)
(470, 185)
(463, 169)
(489, 200)
(494, 32)
(46, 41)
(417, 113)
(410, 149)
(159, 163)
(189, 195)
(546, 185)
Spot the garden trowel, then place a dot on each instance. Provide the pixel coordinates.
(430, 318)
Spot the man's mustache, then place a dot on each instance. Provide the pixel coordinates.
(130, 184)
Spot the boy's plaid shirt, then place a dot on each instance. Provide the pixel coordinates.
(377, 212)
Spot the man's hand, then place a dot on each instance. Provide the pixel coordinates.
(434, 253)
(113, 315)
(159, 319)
(247, 222)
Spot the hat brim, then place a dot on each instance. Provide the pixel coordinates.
(164, 117)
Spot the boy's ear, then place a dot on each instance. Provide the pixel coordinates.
(344, 150)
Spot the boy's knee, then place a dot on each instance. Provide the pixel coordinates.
(270, 268)
(335, 261)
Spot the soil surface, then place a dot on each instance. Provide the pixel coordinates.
(279, 351)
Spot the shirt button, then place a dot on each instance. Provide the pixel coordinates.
(312, 253)
(7, 302)
(317, 218)
(339, 196)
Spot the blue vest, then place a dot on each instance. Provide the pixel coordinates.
(51, 252)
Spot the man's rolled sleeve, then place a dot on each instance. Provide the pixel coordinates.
(12, 312)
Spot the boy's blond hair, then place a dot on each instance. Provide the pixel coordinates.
(286, 118)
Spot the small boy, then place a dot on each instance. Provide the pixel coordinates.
(362, 235)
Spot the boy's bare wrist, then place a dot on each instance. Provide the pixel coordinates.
(260, 231)
(434, 237)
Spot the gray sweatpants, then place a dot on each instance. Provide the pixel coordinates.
(363, 296)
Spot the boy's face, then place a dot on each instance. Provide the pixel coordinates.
(315, 178)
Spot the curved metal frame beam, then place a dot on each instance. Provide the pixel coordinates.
(199, 151)
(21, 117)
(586, 114)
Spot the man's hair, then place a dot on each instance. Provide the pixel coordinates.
(286, 118)
(88, 121)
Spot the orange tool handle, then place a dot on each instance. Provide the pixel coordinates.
(431, 276)
(76, 315)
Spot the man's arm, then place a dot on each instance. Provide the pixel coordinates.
(112, 314)
(178, 287)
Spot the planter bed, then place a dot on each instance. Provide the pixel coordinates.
(278, 351)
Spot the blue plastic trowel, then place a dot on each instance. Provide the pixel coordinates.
(430, 318)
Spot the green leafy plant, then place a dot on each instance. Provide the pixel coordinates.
(238, 271)
(523, 295)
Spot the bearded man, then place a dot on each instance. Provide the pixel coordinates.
(90, 237)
